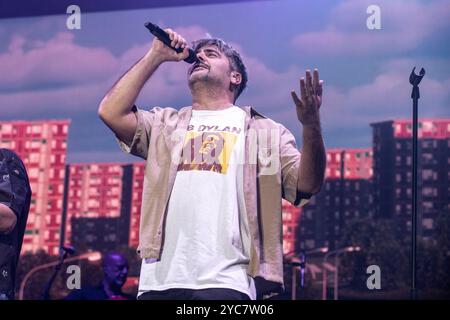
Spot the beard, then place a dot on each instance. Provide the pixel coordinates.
(205, 79)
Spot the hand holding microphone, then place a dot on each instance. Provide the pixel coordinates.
(171, 46)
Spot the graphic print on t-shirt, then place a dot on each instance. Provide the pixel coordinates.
(208, 150)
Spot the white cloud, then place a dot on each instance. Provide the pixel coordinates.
(29, 63)
(404, 25)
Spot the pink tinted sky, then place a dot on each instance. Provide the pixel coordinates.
(51, 72)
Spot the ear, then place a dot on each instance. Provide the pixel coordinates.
(236, 78)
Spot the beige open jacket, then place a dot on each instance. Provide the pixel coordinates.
(271, 169)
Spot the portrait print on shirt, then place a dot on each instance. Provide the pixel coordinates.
(208, 148)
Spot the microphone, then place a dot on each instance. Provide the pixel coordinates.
(164, 38)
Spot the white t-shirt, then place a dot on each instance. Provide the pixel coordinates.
(207, 239)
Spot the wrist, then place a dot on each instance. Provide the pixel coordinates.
(315, 125)
(153, 58)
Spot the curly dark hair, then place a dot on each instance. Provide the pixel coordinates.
(233, 56)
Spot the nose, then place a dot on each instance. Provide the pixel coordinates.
(200, 56)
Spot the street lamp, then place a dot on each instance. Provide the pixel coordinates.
(324, 271)
(91, 256)
(301, 262)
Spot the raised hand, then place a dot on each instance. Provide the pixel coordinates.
(164, 53)
(311, 99)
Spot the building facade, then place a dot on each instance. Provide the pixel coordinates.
(345, 195)
(98, 190)
(392, 141)
(42, 145)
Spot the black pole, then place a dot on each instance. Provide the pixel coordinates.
(415, 95)
(62, 235)
(64, 252)
(48, 285)
(414, 204)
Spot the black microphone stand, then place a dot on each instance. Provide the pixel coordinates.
(415, 95)
(64, 252)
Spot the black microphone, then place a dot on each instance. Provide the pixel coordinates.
(165, 38)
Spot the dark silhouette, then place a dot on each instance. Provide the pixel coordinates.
(115, 273)
(15, 198)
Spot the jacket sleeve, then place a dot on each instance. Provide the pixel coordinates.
(290, 163)
(141, 140)
(15, 191)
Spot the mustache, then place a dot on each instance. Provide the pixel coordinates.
(199, 64)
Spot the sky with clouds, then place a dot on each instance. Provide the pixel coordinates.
(50, 72)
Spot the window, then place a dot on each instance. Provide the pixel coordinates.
(33, 172)
(35, 144)
(287, 216)
(427, 206)
(408, 160)
(427, 174)
(34, 157)
(428, 191)
(427, 223)
(93, 203)
(6, 128)
(36, 129)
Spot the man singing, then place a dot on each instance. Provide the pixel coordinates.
(211, 223)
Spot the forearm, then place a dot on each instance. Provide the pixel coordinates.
(313, 160)
(121, 97)
(7, 219)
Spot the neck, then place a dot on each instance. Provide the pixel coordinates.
(211, 105)
(204, 98)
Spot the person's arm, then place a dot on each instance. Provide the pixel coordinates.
(311, 171)
(313, 160)
(8, 219)
(116, 108)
